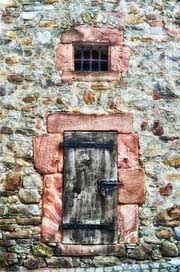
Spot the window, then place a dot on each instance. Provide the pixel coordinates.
(87, 53)
(91, 58)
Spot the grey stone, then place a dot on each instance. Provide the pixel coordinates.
(44, 37)
(21, 248)
(169, 249)
(30, 196)
(99, 269)
(32, 181)
(2, 91)
(175, 261)
(32, 263)
(60, 262)
(177, 233)
(24, 209)
(6, 130)
(105, 261)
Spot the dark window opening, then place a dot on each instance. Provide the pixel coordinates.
(91, 58)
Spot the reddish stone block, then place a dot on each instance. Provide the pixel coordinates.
(52, 208)
(128, 223)
(48, 156)
(92, 34)
(59, 122)
(167, 190)
(64, 57)
(90, 77)
(128, 150)
(90, 250)
(132, 191)
(119, 59)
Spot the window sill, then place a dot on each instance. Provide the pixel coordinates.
(90, 76)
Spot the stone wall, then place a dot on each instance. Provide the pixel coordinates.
(31, 88)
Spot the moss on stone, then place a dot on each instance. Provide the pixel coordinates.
(42, 250)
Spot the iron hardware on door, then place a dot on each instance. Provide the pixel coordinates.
(108, 227)
(83, 144)
(107, 186)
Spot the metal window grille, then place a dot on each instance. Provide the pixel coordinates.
(91, 58)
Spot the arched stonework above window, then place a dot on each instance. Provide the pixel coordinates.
(91, 67)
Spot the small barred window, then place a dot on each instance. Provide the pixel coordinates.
(91, 58)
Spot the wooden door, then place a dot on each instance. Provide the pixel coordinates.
(89, 211)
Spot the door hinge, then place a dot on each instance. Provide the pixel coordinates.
(109, 227)
(78, 144)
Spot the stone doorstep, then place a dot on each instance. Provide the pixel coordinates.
(91, 250)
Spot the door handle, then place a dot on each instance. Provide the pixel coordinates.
(105, 186)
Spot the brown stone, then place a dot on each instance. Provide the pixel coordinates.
(89, 97)
(48, 156)
(156, 95)
(52, 208)
(90, 250)
(11, 60)
(26, 41)
(138, 253)
(7, 221)
(7, 259)
(128, 222)
(50, 1)
(59, 122)
(15, 78)
(172, 177)
(174, 162)
(28, 221)
(157, 129)
(144, 125)
(169, 217)
(12, 181)
(29, 99)
(167, 190)
(50, 24)
(132, 190)
(17, 234)
(164, 233)
(128, 150)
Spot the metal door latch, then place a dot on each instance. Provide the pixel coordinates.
(107, 186)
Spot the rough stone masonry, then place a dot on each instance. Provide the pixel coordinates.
(31, 88)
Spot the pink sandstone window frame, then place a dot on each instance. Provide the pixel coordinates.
(48, 160)
(118, 53)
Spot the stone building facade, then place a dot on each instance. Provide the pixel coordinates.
(42, 97)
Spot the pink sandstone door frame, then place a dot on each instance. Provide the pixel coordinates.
(48, 161)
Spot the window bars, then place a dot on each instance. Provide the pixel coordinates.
(91, 58)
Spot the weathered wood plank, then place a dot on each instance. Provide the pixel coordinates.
(82, 201)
